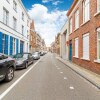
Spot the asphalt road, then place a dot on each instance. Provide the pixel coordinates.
(49, 79)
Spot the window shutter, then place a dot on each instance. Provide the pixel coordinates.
(6, 45)
(17, 45)
(86, 46)
(0, 42)
(11, 45)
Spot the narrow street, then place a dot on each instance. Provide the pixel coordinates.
(50, 79)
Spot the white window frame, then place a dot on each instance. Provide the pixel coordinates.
(22, 30)
(86, 57)
(77, 19)
(14, 5)
(86, 10)
(76, 48)
(98, 5)
(22, 16)
(70, 25)
(14, 46)
(14, 23)
(98, 40)
(5, 16)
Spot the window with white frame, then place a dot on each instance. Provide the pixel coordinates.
(77, 19)
(22, 16)
(76, 47)
(86, 46)
(3, 43)
(99, 44)
(14, 46)
(86, 10)
(5, 16)
(14, 5)
(14, 23)
(22, 29)
(70, 25)
(98, 5)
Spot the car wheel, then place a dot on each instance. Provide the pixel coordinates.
(26, 65)
(10, 74)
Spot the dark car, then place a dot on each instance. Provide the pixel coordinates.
(7, 67)
(36, 55)
(23, 60)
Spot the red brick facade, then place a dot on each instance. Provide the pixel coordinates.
(89, 27)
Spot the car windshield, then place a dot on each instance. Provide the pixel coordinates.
(20, 56)
(36, 53)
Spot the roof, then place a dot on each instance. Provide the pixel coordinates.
(72, 7)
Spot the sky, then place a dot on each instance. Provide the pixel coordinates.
(49, 16)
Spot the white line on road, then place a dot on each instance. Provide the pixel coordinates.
(61, 72)
(17, 81)
(65, 78)
(71, 87)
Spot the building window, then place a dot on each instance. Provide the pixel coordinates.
(70, 25)
(86, 46)
(98, 5)
(14, 23)
(5, 16)
(14, 46)
(99, 44)
(3, 43)
(8, 1)
(76, 47)
(22, 16)
(86, 10)
(14, 5)
(27, 22)
(22, 30)
(77, 19)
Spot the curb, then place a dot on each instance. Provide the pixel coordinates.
(82, 75)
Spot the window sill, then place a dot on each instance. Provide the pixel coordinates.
(97, 61)
(75, 57)
(96, 14)
(87, 59)
(85, 22)
(76, 29)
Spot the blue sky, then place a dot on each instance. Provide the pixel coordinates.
(49, 16)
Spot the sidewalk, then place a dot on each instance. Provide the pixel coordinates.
(88, 75)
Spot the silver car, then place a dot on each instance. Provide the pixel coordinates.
(36, 56)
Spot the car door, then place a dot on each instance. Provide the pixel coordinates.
(3, 66)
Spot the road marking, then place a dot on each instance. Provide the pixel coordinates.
(61, 72)
(65, 78)
(18, 80)
(71, 87)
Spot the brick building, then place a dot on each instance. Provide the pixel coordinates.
(84, 34)
(32, 37)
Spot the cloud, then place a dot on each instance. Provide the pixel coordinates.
(46, 1)
(47, 24)
(56, 2)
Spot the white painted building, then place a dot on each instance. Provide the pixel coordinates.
(64, 49)
(14, 27)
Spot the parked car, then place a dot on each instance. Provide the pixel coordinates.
(41, 53)
(23, 60)
(36, 55)
(7, 67)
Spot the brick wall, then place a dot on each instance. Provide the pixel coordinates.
(90, 27)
